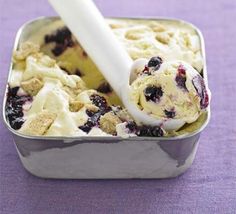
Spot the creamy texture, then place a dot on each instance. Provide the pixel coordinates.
(62, 105)
(177, 41)
(170, 41)
(168, 93)
(64, 100)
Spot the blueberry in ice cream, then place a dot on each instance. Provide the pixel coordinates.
(55, 89)
(181, 77)
(15, 107)
(153, 93)
(155, 62)
(51, 102)
(201, 90)
(62, 39)
(170, 113)
(174, 91)
(141, 39)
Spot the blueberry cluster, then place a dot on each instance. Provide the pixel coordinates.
(181, 78)
(153, 93)
(155, 62)
(200, 87)
(62, 38)
(94, 117)
(145, 131)
(170, 114)
(14, 111)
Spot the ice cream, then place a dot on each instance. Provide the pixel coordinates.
(139, 38)
(56, 90)
(170, 90)
(45, 100)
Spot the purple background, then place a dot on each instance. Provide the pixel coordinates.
(208, 187)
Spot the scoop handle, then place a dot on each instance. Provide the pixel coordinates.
(89, 27)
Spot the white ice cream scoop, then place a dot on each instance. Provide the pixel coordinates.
(89, 27)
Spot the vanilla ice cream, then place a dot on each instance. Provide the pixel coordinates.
(56, 90)
(141, 38)
(170, 90)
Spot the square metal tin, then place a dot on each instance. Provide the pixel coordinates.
(104, 157)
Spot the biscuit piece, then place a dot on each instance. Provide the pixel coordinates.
(116, 25)
(108, 123)
(137, 33)
(26, 49)
(133, 36)
(32, 86)
(74, 92)
(75, 106)
(163, 38)
(157, 27)
(39, 124)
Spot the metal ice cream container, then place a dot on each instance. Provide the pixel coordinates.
(104, 157)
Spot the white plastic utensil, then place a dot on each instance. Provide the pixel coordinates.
(89, 27)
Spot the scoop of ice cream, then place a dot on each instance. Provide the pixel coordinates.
(170, 90)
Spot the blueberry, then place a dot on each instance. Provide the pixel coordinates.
(98, 101)
(132, 126)
(86, 128)
(69, 43)
(170, 114)
(62, 38)
(49, 38)
(17, 123)
(58, 50)
(157, 132)
(181, 78)
(155, 62)
(59, 37)
(200, 87)
(62, 35)
(91, 122)
(94, 117)
(90, 113)
(150, 131)
(78, 72)
(14, 110)
(144, 131)
(104, 88)
(13, 91)
(153, 93)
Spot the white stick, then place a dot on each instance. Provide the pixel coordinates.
(90, 29)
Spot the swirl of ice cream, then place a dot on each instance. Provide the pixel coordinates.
(170, 90)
